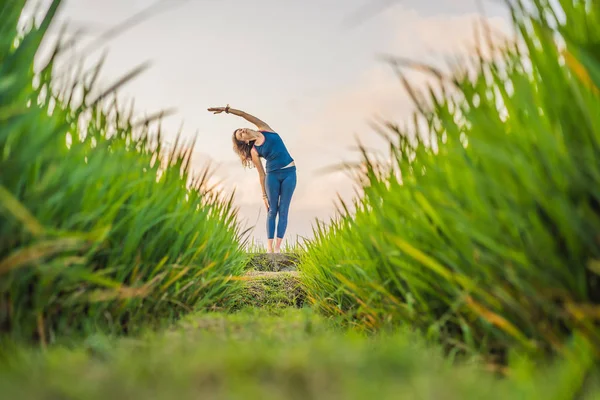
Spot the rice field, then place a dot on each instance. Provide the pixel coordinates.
(483, 231)
(469, 268)
(102, 227)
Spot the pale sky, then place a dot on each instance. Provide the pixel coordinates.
(293, 64)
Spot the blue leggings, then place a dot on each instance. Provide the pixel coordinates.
(280, 185)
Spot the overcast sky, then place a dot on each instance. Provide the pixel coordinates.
(295, 64)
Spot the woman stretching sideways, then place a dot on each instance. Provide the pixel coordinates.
(279, 181)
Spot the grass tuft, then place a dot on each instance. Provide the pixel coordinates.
(270, 290)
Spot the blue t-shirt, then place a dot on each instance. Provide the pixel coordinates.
(274, 151)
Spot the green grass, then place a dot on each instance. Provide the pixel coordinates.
(269, 290)
(101, 227)
(255, 355)
(483, 231)
(483, 243)
(288, 246)
(273, 262)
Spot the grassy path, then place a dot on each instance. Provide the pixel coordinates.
(254, 354)
(273, 347)
(272, 282)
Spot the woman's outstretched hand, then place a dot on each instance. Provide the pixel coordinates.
(217, 110)
(266, 203)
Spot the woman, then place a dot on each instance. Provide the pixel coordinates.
(279, 182)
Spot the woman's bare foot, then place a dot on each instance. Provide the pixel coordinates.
(278, 245)
(270, 246)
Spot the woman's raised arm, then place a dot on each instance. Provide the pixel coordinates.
(261, 125)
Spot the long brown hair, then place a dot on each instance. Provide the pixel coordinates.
(243, 150)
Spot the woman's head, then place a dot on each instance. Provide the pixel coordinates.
(243, 141)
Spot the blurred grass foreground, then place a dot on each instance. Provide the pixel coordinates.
(484, 230)
(101, 227)
(478, 245)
